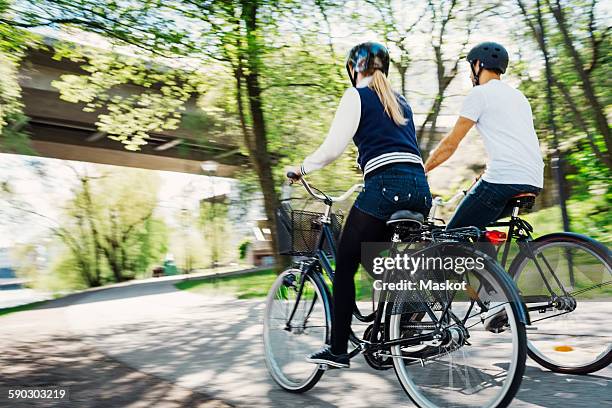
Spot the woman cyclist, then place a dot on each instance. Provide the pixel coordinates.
(381, 125)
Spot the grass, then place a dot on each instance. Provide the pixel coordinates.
(255, 285)
(247, 286)
(590, 217)
(20, 308)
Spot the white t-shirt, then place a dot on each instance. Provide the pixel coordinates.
(504, 120)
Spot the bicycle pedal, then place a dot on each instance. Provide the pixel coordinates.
(531, 328)
(324, 367)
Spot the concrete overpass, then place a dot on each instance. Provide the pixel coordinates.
(62, 130)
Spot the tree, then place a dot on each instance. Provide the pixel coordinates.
(235, 34)
(597, 42)
(561, 92)
(111, 233)
(396, 35)
(441, 14)
(13, 43)
(213, 221)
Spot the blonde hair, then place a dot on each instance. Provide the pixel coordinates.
(389, 99)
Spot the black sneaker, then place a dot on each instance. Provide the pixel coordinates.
(496, 319)
(325, 356)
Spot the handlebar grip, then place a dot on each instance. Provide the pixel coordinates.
(292, 175)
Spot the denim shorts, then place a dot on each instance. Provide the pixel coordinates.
(400, 186)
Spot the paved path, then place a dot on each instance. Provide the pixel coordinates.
(132, 345)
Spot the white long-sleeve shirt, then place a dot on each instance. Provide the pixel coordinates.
(343, 128)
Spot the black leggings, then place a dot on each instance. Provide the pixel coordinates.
(360, 227)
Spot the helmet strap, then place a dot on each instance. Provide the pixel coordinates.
(353, 77)
(476, 76)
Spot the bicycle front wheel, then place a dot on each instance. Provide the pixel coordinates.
(566, 282)
(469, 365)
(296, 323)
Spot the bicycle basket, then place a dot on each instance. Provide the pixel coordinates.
(299, 231)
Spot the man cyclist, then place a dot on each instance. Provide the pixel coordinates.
(504, 120)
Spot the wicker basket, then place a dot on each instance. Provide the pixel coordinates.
(299, 231)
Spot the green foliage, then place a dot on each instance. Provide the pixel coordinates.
(129, 119)
(245, 286)
(8, 310)
(213, 222)
(581, 140)
(13, 45)
(243, 248)
(111, 234)
(591, 217)
(66, 274)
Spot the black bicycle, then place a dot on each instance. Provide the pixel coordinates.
(434, 339)
(565, 281)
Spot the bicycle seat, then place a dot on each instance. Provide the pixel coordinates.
(522, 200)
(406, 216)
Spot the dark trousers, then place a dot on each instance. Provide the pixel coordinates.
(360, 227)
(401, 186)
(485, 202)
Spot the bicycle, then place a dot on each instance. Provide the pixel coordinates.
(435, 341)
(565, 280)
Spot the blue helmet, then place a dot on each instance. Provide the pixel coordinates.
(366, 57)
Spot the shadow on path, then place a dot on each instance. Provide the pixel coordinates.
(94, 380)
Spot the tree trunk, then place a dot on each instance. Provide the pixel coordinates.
(589, 92)
(557, 158)
(258, 146)
(92, 226)
(604, 157)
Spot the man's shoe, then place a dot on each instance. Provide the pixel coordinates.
(325, 356)
(495, 319)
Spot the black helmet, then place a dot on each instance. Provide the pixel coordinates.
(366, 56)
(491, 56)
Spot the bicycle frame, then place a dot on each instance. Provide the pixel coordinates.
(321, 258)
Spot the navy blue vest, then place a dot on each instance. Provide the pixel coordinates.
(379, 138)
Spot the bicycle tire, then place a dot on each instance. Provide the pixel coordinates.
(323, 292)
(515, 270)
(519, 341)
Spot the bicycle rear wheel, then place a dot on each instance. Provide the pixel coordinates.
(567, 285)
(296, 323)
(469, 366)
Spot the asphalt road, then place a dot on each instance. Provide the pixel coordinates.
(149, 344)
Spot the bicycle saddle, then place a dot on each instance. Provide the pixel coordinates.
(406, 216)
(522, 200)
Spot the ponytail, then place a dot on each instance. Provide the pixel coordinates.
(381, 85)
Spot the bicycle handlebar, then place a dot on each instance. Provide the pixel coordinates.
(441, 203)
(322, 196)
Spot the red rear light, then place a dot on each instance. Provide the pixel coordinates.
(496, 237)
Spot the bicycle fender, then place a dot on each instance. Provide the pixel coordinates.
(576, 237)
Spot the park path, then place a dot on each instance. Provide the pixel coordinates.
(207, 351)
